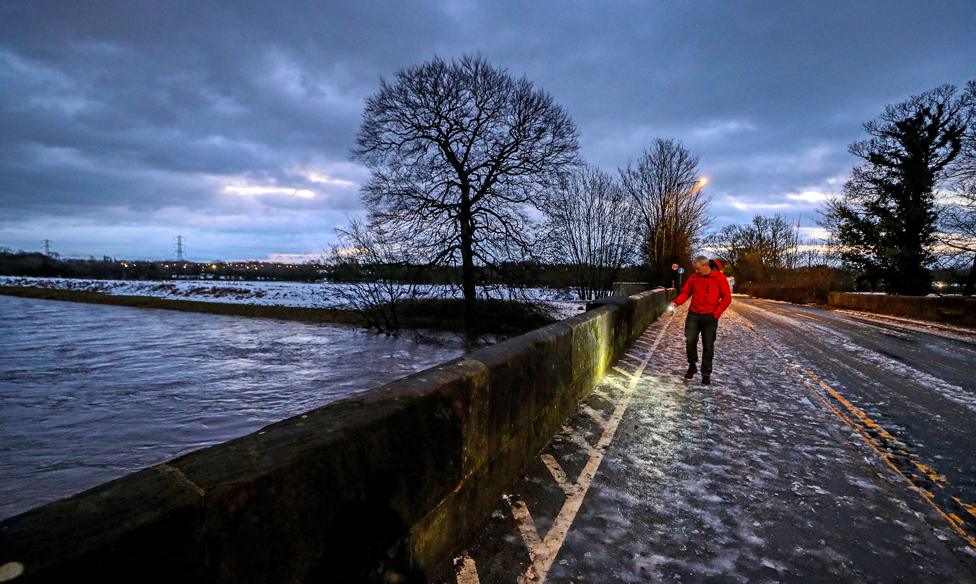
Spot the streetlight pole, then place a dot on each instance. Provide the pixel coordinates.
(700, 183)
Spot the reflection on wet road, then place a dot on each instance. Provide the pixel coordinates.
(767, 475)
(89, 393)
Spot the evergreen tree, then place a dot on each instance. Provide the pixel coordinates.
(885, 223)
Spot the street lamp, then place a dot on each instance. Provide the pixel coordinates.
(696, 184)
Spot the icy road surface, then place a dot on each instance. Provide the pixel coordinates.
(89, 392)
(830, 447)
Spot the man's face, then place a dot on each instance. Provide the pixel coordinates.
(702, 268)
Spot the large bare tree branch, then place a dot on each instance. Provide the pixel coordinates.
(457, 151)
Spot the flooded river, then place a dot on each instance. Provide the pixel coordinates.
(89, 393)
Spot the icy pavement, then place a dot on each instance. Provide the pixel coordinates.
(762, 476)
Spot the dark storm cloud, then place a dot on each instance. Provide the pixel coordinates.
(232, 123)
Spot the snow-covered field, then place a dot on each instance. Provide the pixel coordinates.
(563, 303)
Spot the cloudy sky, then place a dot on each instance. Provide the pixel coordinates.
(123, 124)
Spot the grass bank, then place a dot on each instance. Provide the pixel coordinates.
(498, 317)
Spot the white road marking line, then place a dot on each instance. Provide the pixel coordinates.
(558, 473)
(597, 416)
(526, 525)
(602, 395)
(468, 573)
(543, 552)
(574, 435)
(616, 383)
(623, 372)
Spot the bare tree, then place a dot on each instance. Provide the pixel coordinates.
(726, 245)
(384, 273)
(886, 220)
(458, 151)
(667, 193)
(813, 253)
(957, 232)
(957, 211)
(590, 225)
(760, 249)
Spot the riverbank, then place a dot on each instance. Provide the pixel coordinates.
(496, 317)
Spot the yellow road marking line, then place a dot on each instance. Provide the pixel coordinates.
(971, 509)
(613, 381)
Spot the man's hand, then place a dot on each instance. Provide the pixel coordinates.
(672, 307)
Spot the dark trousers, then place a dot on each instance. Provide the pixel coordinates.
(707, 326)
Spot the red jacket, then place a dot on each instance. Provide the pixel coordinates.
(709, 294)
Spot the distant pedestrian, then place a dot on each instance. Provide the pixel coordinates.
(710, 295)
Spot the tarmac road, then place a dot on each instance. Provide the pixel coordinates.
(919, 386)
(830, 447)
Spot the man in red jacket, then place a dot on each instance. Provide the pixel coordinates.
(710, 295)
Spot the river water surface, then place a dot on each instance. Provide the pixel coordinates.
(89, 393)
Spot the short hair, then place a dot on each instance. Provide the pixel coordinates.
(701, 260)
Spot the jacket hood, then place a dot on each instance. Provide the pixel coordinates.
(718, 265)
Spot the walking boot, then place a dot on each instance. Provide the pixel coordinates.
(691, 372)
(706, 379)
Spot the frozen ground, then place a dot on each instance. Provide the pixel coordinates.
(827, 449)
(300, 294)
(91, 392)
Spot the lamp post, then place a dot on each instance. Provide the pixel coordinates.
(698, 183)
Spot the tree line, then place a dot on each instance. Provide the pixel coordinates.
(36, 264)
(907, 209)
(909, 205)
